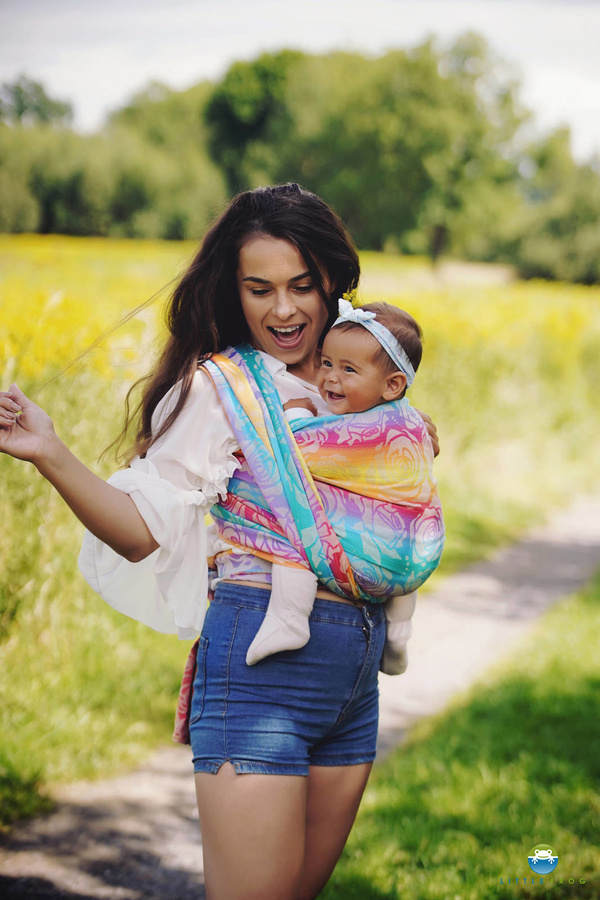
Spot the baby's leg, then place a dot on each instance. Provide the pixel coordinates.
(285, 626)
(398, 614)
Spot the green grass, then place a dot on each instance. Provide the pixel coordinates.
(511, 763)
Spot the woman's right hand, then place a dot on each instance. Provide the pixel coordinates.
(106, 511)
(25, 429)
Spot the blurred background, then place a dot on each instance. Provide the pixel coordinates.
(472, 127)
(460, 142)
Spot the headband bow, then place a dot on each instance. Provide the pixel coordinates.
(347, 313)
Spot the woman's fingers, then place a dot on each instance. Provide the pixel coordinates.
(17, 395)
(9, 410)
(24, 426)
(433, 435)
(431, 430)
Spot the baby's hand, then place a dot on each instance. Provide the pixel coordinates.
(303, 403)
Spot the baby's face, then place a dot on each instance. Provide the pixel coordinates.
(349, 380)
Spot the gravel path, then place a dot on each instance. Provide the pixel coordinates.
(136, 837)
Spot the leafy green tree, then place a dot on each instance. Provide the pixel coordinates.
(247, 117)
(25, 102)
(561, 230)
(401, 145)
(19, 210)
(165, 132)
(70, 179)
(166, 118)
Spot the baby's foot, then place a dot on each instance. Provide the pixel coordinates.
(275, 635)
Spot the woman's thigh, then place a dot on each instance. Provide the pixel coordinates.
(333, 798)
(253, 829)
(275, 837)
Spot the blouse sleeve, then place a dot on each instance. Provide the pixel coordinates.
(182, 475)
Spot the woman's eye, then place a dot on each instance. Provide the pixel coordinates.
(305, 288)
(257, 292)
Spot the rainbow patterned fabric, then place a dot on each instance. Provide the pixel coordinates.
(351, 497)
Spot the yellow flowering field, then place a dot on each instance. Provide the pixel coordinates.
(510, 375)
(59, 294)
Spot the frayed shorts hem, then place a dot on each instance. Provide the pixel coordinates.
(342, 761)
(253, 767)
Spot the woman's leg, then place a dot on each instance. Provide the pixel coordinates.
(252, 834)
(334, 795)
(275, 837)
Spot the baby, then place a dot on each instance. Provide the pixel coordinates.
(369, 357)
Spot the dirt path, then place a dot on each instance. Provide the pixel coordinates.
(137, 837)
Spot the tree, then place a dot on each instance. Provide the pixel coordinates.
(248, 117)
(25, 102)
(561, 230)
(402, 145)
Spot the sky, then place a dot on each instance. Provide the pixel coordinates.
(98, 53)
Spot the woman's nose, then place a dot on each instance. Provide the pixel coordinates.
(284, 305)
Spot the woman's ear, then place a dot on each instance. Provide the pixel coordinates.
(395, 385)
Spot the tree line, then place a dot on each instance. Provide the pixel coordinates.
(421, 151)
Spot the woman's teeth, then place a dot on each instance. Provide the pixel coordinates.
(288, 335)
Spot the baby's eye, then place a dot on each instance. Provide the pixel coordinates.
(349, 369)
(325, 362)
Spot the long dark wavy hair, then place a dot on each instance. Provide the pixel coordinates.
(205, 313)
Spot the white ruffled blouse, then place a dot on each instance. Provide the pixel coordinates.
(173, 487)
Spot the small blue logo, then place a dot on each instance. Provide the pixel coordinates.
(541, 859)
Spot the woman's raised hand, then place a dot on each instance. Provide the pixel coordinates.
(24, 427)
(26, 432)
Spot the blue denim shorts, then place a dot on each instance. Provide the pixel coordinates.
(318, 705)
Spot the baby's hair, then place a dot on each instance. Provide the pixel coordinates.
(404, 328)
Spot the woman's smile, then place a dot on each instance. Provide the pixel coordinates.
(289, 337)
(285, 313)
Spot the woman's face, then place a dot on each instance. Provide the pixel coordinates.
(284, 311)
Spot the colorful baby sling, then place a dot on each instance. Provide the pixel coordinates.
(351, 497)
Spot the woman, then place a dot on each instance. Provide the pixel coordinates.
(282, 751)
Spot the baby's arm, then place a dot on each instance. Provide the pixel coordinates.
(299, 409)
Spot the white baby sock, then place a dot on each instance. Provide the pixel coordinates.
(285, 626)
(398, 614)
